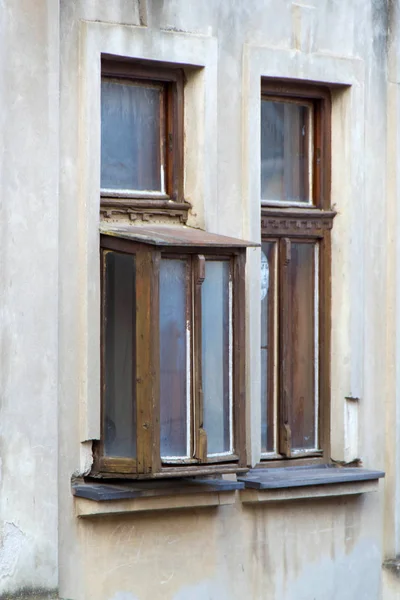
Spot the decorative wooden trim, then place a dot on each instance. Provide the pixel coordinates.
(307, 223)
(145, 215)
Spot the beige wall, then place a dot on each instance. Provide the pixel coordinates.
(295, 551)
(29, 138)
(321, 549)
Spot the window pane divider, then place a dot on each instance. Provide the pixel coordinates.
(147, 361)
(200, 437)
(285, 318)
(239, 362)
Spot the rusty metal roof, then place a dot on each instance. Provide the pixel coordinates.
(166, 235)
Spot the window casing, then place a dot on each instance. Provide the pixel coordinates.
(142, 106)
(172, 354)
(296, 220)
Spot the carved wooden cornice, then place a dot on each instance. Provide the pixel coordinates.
(295, 222)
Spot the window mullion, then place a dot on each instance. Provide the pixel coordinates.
(239, 363)
(285, 379)
(147, 362)
(200, 435)
(164, 142)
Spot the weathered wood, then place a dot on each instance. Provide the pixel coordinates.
(147, 362)
(308, 224)
(146, 369)
(171, 81)
(200, 445)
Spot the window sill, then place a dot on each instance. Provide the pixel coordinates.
(100, 499)
(292, 483)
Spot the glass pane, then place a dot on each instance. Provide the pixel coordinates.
(217, 355)
(286, 151)
(119, 355)
(268, 346)
(174, 371)
(303, 330)
(130, 137)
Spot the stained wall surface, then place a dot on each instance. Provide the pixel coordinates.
(324, 549)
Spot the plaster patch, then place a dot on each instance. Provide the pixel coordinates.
(86, 456)
(11, 544)
(85, 459)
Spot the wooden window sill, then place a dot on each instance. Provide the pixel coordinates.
(292, 483)
(100, 499)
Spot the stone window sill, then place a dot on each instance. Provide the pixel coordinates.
(99, 499)
(292, 483)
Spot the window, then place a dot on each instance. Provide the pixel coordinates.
(172, 352)
(295, 271)
(141, 139)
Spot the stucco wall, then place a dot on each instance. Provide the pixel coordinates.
(295, 551)
(29, 40)
(321, 549)
(325, 549)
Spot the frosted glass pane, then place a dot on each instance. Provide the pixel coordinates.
(130, 137)
(216, 363)
(119, 356)
(285, 151)
(173, 347)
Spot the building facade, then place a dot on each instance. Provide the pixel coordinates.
(273, 126)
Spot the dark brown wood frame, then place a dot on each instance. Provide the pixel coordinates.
(320, 97)
(171, 81)
(148, 462)
(312, 223)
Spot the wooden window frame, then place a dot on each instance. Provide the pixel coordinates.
(171, 80)
(312, 223)
(320, 98)
(148, 463)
